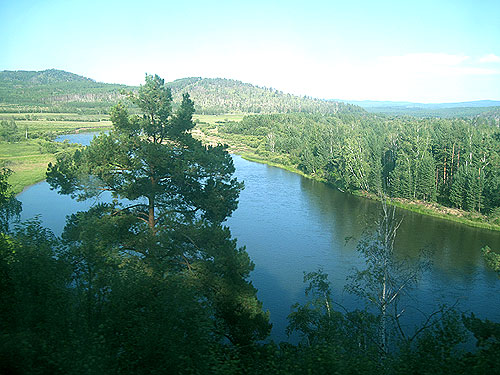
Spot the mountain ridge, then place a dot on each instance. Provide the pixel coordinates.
(66, 91)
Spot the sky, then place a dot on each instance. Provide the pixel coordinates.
(418, 51)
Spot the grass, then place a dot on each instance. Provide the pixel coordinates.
(52, 124)
(215, 119)
(29, 158)
(52, 116)
(60, 127)
(435, 210)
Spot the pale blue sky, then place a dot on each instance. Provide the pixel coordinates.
(425, 51)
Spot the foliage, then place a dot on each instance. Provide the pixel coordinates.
(59, 91)
(376, 331)
(455, 163)
(85, 304)
(348, 341)
(8, 131)
(10, 207)
(493, 259)
(172, 194)
(218, 96)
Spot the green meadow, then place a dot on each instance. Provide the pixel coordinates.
(30, 155)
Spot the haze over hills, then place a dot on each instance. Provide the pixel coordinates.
(392, 104)
(64, 91)
(457, 109)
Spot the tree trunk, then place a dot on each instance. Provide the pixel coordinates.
(151, 206)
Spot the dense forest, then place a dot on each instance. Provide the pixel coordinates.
(55, 91)
(453, 162)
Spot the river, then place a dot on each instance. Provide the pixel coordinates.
(290, 224)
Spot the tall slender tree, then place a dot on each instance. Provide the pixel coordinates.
(173, 193)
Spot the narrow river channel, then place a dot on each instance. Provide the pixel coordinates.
(290, 224)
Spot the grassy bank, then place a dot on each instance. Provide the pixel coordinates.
(424, 208)
(472, 219)
(28, 160)
(29, 156)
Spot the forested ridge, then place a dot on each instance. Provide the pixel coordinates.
(55, 91)
(454, 162)
(59, 91)
(219, 96)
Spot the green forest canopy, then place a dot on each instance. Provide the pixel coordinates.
(455, 162)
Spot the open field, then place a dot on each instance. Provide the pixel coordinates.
(49, 125)
(28, 158)
(61, 127)
(36, 116)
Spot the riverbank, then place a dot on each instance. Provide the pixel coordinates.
(29, 168)
(29, 156)
(471, 219)
(28, 159)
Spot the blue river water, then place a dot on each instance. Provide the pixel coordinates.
(290, 225)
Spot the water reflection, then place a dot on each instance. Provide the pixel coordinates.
(291, 224)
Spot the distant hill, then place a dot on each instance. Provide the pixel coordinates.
(389, 104)
(446, 110)
(219, 95)
(56, 90)
(44, 77)
(60, 91)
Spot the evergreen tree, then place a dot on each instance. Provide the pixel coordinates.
(425, 186)
(181, 191)
(457, 189)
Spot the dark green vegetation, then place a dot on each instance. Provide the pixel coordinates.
(44, 104)
(453, 163)
(55, 91)
(158, 284)
(155, 284)
(181, 191)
